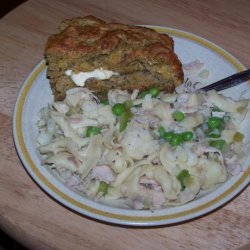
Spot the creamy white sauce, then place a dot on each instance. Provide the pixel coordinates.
(80, 78)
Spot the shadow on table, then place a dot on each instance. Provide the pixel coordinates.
(7, 243)
(8, 5)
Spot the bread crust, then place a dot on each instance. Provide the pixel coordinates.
(87, 43)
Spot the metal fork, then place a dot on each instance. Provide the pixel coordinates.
(229, 82)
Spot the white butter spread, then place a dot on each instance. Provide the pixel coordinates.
(80, 78)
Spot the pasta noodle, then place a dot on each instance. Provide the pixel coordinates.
(161, 151)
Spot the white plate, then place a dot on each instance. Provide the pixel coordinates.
(35, 93)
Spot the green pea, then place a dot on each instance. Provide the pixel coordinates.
(161, 131)
(217, 144)
(123, 120)
(118, 109)
(184, 174)
(105, 102)
(187, 136)
(154, 92)
(175, 140)
(143, 94)
(214, 122)
(91, 131)
(103, 187)
(178, 115)
(168, 136)
(128, 104)
(215, 133)
(238, 137)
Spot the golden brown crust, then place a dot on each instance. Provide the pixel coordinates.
(88, 34)
(86, 43)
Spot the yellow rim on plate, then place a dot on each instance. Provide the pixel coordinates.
(143, 219)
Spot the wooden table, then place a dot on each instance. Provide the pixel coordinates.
(30, 215)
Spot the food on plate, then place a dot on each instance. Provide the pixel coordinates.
(147, 150)
(100, 56)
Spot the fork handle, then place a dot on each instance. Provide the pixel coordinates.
(230, 81)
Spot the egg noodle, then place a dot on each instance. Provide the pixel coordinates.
(150, 149)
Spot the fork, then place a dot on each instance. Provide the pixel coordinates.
(229, 81)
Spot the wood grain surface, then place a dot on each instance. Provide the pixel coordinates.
(39, 222)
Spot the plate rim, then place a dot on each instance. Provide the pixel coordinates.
(84, 209)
